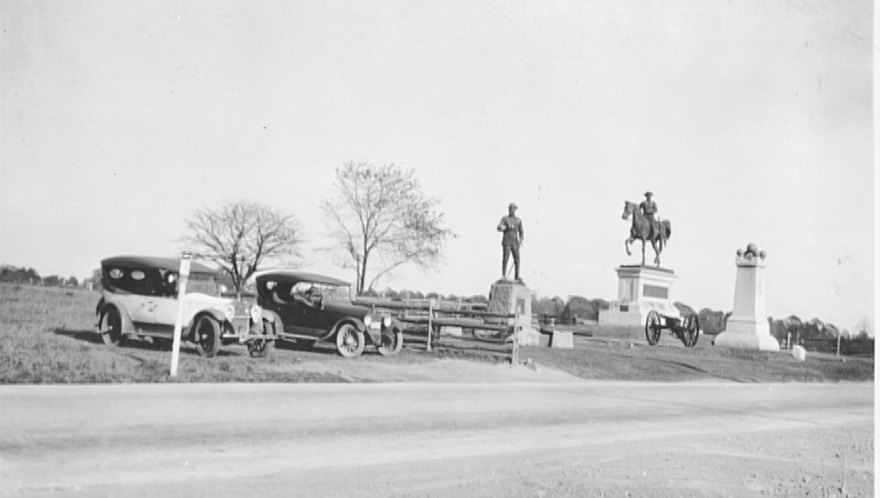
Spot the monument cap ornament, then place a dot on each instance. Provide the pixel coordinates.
(751, 252)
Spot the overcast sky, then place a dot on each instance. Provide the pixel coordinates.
(751, 121)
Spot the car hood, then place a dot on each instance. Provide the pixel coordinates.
(205, 299)
(348, 309)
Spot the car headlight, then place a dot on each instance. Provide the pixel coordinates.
(256, 313)
(368, 320)
(386, 321)
(229, 312)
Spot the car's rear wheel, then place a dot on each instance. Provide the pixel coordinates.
(349, 341)
(111, 327)
(392, 343)
(206, 336)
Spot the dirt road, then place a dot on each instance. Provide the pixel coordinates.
(499, 439)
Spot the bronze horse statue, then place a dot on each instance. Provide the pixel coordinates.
(642, 230)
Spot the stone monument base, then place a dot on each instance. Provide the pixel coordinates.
(634, 315)
(755, 342)
(509, 297)
(747, 334)
(640, 289)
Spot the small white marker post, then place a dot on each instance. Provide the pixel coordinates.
(183, 276)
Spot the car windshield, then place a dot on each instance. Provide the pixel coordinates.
(196, 283)
(340, 293)
(309, 293)
(206, 284)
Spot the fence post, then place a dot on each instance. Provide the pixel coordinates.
(430, 320)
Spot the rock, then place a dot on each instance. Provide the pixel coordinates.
(562, 339)
(449, 330)
(529, 337)
(799, 353)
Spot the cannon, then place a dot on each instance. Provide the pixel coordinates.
(687, 329)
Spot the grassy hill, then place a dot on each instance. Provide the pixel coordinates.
(47, 335)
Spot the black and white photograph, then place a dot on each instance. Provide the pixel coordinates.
(307, 248)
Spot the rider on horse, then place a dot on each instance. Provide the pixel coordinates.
(648, 209)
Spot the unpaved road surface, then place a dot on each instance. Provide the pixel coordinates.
(578, 438)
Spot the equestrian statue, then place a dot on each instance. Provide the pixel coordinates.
(645, 227)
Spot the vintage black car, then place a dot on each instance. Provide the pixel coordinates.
(309, 307)
(139, 299)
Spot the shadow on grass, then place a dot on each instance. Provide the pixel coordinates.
(150, 344)
(302, 346)
(326, 349)
(82, 335)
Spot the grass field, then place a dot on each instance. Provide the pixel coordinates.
(47, 335)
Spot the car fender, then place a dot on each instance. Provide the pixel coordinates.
(98, 309)
(374, 336)
(396, 325)
(125, 317)
(272, 317)
(186, 333)
(210, 312)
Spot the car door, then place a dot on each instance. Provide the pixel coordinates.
(139, 308)
(165, 311)
(164, 301)
(277, 297)
(140, 303)
(305, 310)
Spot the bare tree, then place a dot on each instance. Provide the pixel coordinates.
(383, 220)
(239, 235)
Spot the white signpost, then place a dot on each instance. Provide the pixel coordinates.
(183, 276)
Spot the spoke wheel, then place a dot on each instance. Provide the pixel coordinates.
(261, 348)
(653, 327)
(392, 343)
(111, 327)
(349, 341)
(691, 330)
(206, 336)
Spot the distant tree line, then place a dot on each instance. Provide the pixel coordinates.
(409, 295)
(27, 275)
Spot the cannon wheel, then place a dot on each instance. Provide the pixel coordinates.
(653, 327)
(690, 330)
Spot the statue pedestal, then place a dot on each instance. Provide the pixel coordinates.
(509, 297)
(640, 289)
(747, 326)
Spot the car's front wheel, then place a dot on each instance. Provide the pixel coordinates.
(261, 348)
(392, 343)
(111, 327)
(349, 341)
(206, 336)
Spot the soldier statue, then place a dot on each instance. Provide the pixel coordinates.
(510, 242)
(649, 208)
